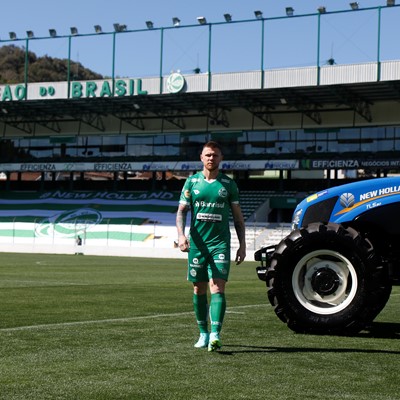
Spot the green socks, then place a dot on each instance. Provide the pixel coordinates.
(217, 311)
(201, 310)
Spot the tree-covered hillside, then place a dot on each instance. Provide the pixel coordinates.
(40, 69)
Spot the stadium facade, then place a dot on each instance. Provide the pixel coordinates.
(141, 133)
(299, 121)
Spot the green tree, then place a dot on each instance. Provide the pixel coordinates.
(40, 69)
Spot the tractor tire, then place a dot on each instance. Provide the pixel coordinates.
(327, 279)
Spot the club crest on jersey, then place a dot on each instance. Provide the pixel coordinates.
(222, 192)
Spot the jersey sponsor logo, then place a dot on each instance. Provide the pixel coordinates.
(207, 217)
(210, 205)
(195, 263)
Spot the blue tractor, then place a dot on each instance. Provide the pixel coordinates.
(333, 274)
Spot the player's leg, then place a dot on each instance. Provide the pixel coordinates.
(218, 275)
(217, 312)
(217, 304)
(200, 306)
(197, 274)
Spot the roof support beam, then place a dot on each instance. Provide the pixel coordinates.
(23, 126)
(312, 112)
(356, 103)
(261, 112)
(176, 120)
(52, 125)
(302, 104)
(134, 118)
(218, 116)
(93, 120)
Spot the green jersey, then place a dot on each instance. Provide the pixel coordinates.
(210, 203)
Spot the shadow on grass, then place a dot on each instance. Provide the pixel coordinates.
(274, 349)
(378, 330)
(381, 330)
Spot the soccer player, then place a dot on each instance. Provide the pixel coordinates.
(210, 195)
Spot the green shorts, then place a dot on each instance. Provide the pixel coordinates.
(204, 265)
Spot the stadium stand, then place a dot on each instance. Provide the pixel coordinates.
(51, 221)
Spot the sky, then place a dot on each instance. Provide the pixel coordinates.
(350, 37)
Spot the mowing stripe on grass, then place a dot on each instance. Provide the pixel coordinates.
(113, 320)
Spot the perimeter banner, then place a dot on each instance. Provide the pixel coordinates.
(62, 216)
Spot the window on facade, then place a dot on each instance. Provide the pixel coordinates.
(187, 145)
(373, 133)
(191, 144)
(113, 146)
(89, 146)
(140, 145)
(41, 148)
(166, 145)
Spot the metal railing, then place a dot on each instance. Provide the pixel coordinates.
(157, 45)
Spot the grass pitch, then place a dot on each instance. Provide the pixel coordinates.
(82, 327)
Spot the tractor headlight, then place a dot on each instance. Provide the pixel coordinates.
(296, 218)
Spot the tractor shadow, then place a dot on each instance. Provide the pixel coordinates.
(381, 330)
(240, 349)
(378, 330)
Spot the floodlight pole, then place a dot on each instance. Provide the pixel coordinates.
(26, 67)
(262, 52)
(378, 78)
(113, 62)
(161, 58)
(209, 57)
(69, 68)
(319, 50)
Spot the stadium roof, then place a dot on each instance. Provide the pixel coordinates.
(289, 92)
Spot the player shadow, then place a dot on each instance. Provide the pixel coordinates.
(378, 330)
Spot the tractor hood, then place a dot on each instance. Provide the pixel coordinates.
(346, 202)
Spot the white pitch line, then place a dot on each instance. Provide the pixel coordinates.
(113, 320)
(43, 283)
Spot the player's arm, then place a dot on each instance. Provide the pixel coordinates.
(181, 215)
(238, 221)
